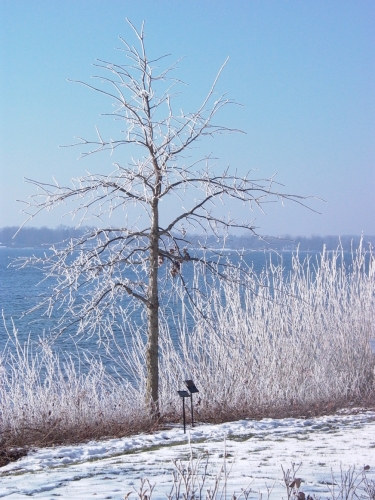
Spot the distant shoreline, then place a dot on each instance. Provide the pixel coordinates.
(42, 238)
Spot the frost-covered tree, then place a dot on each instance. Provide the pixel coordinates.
(96, 271)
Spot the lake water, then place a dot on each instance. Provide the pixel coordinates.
(19, 290)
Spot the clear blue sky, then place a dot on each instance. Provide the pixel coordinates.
(304, 71)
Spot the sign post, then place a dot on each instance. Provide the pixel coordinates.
(183, 395)
(192, 389)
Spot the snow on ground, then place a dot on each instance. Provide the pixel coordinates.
(255, 452)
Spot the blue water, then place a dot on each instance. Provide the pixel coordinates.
(20, 288)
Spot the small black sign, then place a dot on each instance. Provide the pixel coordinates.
(191, 386)
(183, 394)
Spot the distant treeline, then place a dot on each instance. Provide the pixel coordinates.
(44, 237)
(37, 236)
(303, 243)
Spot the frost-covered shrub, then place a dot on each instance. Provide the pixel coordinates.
(278, 342)
(300, 339)
(45, 399)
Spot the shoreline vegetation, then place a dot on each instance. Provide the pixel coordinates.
(33, 237)
(282, 346)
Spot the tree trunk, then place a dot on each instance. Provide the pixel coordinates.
(152, 352)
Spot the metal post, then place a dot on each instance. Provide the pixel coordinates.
(183, 412)
(183, 395)
(191, 402)
(192, 389)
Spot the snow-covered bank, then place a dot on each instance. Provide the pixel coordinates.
(110, 469)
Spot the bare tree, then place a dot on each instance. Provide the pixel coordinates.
(94, 272)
